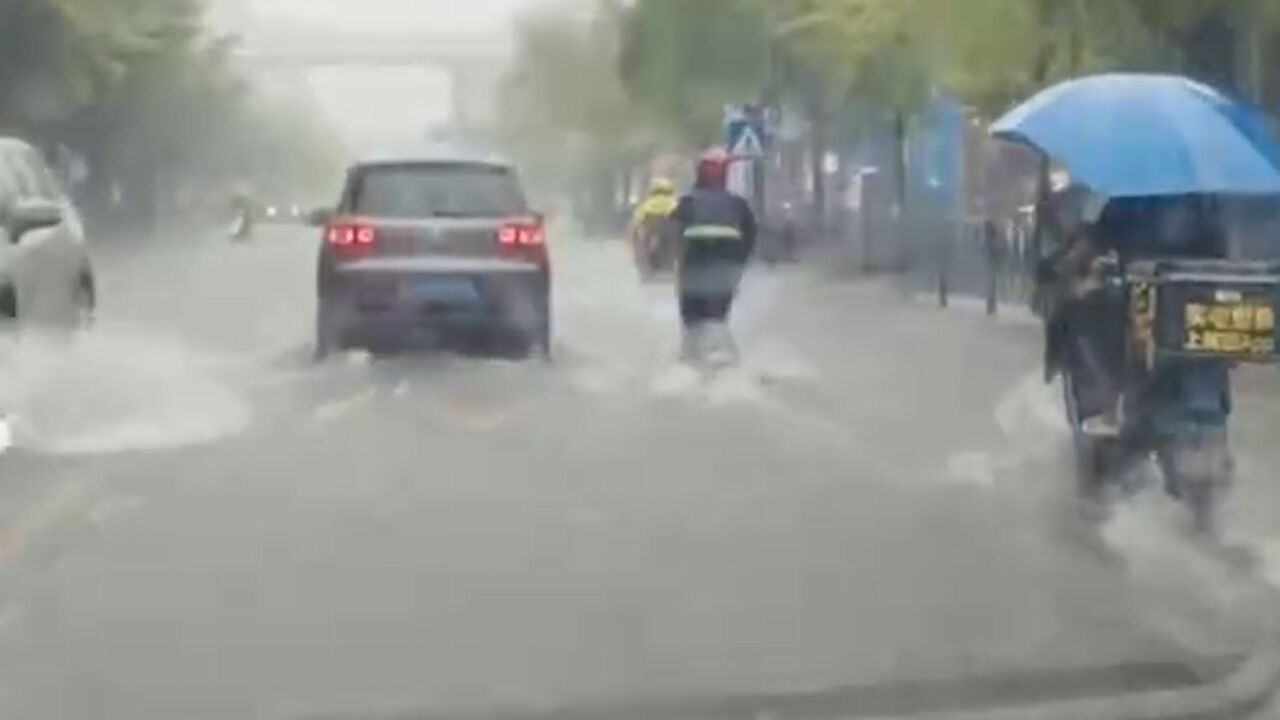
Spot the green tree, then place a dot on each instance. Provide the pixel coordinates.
(844, 61)
(44, 66)
(1045, 41)
(683, 61)
(566, 115)
(146, 92)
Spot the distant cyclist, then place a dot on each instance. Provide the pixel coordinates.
(244, 212)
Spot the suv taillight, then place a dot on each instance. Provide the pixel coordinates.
(351, 236)
(523, 237)
(525, 232)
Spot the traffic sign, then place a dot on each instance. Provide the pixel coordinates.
(744, 125)
(748, 144)
(744, 132)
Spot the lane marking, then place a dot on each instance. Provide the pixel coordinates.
(1269, 560)
(482, 416)
(8, 619)
(63, 504)
(332, 410)
(108, 509)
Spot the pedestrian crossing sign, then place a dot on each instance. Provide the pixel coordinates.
(748, 144)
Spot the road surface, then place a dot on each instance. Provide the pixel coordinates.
(198, 522)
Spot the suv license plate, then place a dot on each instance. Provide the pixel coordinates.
(444, 291)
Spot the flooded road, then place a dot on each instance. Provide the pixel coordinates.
(198, 521)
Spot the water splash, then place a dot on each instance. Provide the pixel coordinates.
(1186, 589)
(111, 391)
(1032, 422)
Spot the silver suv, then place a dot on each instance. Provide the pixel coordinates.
(432, 248)
(45, 274)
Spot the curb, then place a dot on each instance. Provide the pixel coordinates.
(973, 305)
(1250, 688)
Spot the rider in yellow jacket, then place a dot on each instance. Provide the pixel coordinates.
(646, 230)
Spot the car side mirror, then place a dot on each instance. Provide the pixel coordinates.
(319, 217)
(24, 216)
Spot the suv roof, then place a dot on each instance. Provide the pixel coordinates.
(432, 154)
(13, 143)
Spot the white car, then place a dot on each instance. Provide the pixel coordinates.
(45, 274)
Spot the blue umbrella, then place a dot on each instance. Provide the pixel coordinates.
(1126, 135)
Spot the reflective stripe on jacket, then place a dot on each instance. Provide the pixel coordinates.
(707, 215)
(713, 232)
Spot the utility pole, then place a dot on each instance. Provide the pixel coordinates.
(813, 101)
(1048, 16)
(769, 103)
(1250, 41)
(818, 150)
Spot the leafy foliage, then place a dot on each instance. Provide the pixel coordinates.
(682, 61)
(140, 88)
(843, 62)
(566, 115)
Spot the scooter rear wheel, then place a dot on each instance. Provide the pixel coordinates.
(1198, 469)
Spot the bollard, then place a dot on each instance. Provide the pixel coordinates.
(944, 270)
(993, 266)
(907, 257)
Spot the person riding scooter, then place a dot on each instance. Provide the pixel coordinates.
(1179, 411)
(717, 230)
(1084, 328)
(650, 234)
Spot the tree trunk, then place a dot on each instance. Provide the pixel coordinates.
(818, 151)
(900, 161)
(904, 237)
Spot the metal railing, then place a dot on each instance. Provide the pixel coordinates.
(992, 261)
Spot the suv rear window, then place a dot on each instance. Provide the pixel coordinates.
(461, 190)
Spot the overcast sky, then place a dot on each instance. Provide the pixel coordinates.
(454, 15)
(463, 16)
(364, 101)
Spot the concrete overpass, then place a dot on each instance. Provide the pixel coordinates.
(316, 50)
(473, 63)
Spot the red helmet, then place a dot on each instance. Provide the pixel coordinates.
(713, 168)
